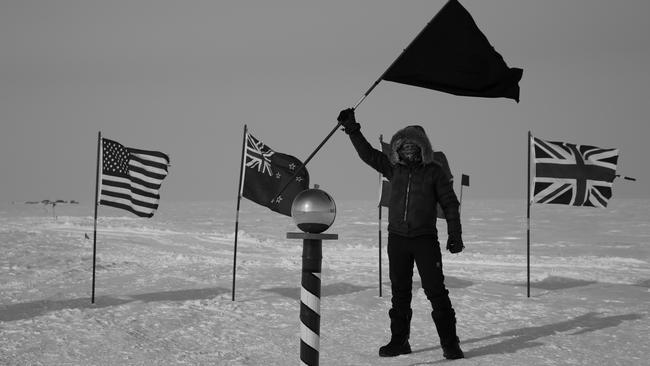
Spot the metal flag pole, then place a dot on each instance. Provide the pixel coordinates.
(379, 207)
(381, 141)
(239, 193)
(363, 97)
(302, 166)
(99, 141)
(528, 221)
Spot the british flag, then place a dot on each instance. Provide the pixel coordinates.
(570, 174)
(258, 155)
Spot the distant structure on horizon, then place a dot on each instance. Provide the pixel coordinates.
(49, 202)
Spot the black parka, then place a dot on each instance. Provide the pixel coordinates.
(415, 188)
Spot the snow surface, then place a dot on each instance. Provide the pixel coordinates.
(163, 287)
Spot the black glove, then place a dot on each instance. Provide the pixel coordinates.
(348, 121)
(455, 243)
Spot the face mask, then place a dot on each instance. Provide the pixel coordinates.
(410, 152)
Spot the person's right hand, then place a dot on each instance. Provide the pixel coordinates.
(347, 119)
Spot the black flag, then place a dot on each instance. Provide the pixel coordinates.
(464, 180)
(452, 55)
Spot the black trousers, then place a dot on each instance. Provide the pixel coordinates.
(423, 251)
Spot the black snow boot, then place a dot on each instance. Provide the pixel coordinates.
(395, 347)
(400, 327)
(446, 326)
(453, 352)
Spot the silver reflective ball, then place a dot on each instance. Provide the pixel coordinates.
(313, 210)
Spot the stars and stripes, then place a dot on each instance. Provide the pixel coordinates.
(131, 178)
(570, 174)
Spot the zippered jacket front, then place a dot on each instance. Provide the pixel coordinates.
(415, 188)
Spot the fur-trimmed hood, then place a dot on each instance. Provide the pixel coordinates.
(416, 135)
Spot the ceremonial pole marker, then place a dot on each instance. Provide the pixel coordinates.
(313, 211)
(310, 294)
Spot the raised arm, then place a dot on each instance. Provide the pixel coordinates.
(371, 156)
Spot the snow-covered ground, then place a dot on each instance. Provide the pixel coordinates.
(163, 287)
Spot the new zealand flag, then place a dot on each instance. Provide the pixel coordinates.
(266, 172)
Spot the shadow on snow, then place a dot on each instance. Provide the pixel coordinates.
(33, 309)
(557, 283)
(645, 283)
(342, 288)
(528, 337)
(450, 282)
(335, 289)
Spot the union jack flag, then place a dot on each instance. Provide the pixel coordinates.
(266, 172)
(570, 174)
(258, 155)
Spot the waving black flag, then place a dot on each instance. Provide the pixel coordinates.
(452, 55)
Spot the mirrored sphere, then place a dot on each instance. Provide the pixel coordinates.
(313, 210)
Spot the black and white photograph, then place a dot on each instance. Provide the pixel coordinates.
(247, 182)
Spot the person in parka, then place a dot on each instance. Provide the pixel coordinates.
(418, 183)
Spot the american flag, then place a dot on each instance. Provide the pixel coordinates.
(131, 178)
(570, 174)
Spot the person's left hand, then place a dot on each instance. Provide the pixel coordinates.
(455, 243)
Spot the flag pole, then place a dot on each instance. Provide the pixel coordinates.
(363, 97)
(460, 204)
(99, 141)
(379, 207)
(381, 141)
(302, 166)
(528, 222)
(239, 192)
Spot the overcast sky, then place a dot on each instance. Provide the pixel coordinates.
(184, 77)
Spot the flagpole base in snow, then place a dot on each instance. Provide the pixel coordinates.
(312, 257)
